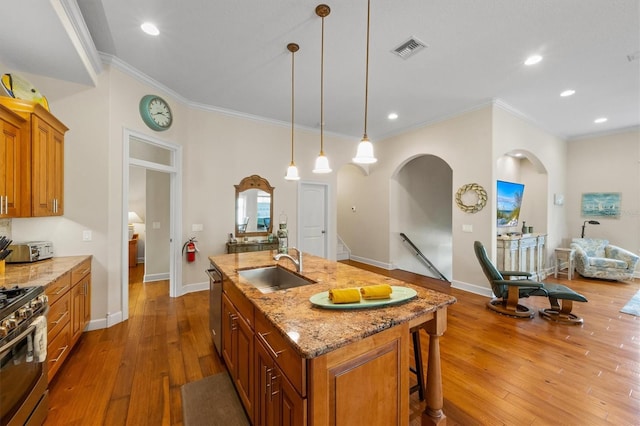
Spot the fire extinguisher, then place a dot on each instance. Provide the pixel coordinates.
(191, 249)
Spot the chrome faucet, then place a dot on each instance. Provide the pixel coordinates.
(297, 262)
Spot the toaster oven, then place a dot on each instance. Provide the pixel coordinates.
(30, 251)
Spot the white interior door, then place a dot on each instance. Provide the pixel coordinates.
(313, 218)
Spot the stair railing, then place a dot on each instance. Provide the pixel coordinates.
(418, 253)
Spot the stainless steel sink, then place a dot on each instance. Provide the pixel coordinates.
(273, 278)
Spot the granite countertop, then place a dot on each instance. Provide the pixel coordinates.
(314, 331)
(40, 273)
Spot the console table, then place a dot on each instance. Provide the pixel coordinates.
(251, 246)
(524, 253)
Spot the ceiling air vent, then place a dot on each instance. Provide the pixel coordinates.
(409, 48)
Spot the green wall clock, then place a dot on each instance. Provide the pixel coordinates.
(155, 112)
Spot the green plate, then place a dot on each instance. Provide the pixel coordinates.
(398, 295)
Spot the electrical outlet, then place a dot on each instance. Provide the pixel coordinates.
(86, 235)
(155, 225)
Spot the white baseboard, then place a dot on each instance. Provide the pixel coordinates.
(371, 262)
(472, 288)
(342, 256)
(148, 278)
(192, 288)
(109, 321)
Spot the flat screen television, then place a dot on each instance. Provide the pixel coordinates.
(509, 199)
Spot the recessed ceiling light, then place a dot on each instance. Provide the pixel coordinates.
(568, 92)
(392, 116)
(532, 60)
(150, 29)
(600, 120)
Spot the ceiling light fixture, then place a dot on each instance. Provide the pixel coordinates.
(600, 120)
(533, 59)
(322, 162)
(392, 116)
(364, 154)
(150, 29)
(567, 92)
(292, 170)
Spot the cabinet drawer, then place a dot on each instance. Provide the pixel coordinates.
(59, 315)
(80, 271)
(57, 351)
(58, 288)
(292, 364)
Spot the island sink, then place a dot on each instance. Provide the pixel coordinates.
(273, 278)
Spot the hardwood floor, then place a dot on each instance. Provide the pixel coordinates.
(496, 370)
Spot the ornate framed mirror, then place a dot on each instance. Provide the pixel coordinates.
(254, 207)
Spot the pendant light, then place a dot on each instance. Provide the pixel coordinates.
(322, 162)
(292, 170)
(364, 154)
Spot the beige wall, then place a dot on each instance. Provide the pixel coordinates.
(608, 163)
(220, 149)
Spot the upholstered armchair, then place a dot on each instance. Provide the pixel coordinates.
(597, 258)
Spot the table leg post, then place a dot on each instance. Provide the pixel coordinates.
(433, 414)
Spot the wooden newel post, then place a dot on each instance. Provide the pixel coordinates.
(433, 414)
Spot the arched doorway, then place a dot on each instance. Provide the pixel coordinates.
(420, 204)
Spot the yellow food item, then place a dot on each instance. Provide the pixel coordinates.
(344, 295)
(378, 291)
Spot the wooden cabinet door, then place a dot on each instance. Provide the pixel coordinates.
(366, 382)
(244, 362)
(10, 152)
(47, 184)
(291, 407)
(228, 313)
(237, 352)
(263, 408)
(277, 403)
(80, 307)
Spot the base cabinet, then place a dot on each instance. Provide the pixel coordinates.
(69, 313)
(237, 351)
(365, 382)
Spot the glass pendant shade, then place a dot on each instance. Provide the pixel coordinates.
(364, 155)
(292, 172)
(322, 164)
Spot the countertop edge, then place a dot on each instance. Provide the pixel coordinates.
(40, 273)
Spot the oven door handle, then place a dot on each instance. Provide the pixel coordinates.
(6, 348)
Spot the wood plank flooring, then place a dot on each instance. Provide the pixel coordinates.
(496, 370)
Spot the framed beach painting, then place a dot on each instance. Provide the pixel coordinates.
(601, 204)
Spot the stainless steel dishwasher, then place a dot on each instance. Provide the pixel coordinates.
(215, 306)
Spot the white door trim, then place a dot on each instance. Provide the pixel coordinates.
(175, 211)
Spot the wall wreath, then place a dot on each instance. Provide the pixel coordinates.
(481, 198)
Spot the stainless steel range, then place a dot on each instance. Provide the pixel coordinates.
(23, 352)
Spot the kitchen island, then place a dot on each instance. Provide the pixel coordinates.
(294, 362)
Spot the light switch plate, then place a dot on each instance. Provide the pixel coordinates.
(196, 227)
(467, 228)
(155, 225)
(86, 235)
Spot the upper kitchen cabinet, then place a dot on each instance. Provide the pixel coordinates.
(42, 168)
(10, 164)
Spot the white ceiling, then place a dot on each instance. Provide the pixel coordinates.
(231, 55)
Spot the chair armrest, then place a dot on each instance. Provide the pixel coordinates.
(615, 252)
(519, 283)
(516, 274)
(579, 252)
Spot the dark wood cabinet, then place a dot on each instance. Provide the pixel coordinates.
(251, 246)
